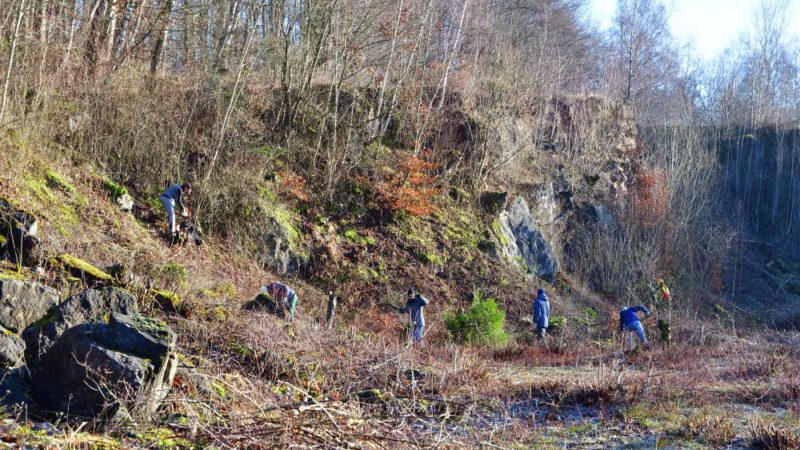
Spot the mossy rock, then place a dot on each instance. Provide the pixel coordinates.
(59, 182)
(429, 258)
(458, 194)
(117, 271)
(493, 202)
(81, 268)
(264, 302)
(14, 275)
(497, 229)
(487, 246)
(113, 188)
(151, 325)
(167, 300)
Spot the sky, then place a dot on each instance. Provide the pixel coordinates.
(710, 26)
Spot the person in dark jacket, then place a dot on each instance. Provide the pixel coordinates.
(171, 198)
(414, 307)
(629, 321)
(541, 314)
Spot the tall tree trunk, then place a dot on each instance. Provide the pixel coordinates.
(20, 15)
(158, 49)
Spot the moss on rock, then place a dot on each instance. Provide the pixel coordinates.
(13, 275)
(113, 188)
(79, 267)
(59, 182)
(167, 300)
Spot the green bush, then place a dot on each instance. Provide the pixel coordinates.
(557, 323)
(175, 272)
(482, 324)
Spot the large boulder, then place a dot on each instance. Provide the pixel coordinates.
(115, 369)
(522, 241)
(24, 302)
(19, 231)
(91, 306)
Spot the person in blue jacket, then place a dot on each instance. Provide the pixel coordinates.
(414, 307)
(629, 321)
(173, 198)
(541, 314)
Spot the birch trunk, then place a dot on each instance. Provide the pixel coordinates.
(20, 15)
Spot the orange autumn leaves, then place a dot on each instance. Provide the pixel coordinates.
(409, 186)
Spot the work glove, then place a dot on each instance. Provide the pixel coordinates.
(185, 212)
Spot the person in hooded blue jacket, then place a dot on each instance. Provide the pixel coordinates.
(629, 321)
(414, 307)
(541, 314)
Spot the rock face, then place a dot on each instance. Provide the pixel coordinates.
(91, 306)
(12, 350)
(521, 239)
(19, 231)
(107, 369)
(279, 250)
(24, 302)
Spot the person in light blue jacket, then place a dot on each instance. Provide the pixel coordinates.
(541, 313)
(414, 307)
(629, 321)
(172, 198)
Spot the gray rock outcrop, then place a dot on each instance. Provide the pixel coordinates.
(91, 306)
(124, 367)
(522, 240)
(24, 302)
(279, 249)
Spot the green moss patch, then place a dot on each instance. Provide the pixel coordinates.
(356, 238)
(162, 439)
(59, 182)
(13, 275)
(174, 272)
(429, 258)
(116, 190)
(150, 325)
(226, 289)
(79, 267)
(39, 190)
(497, 229)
